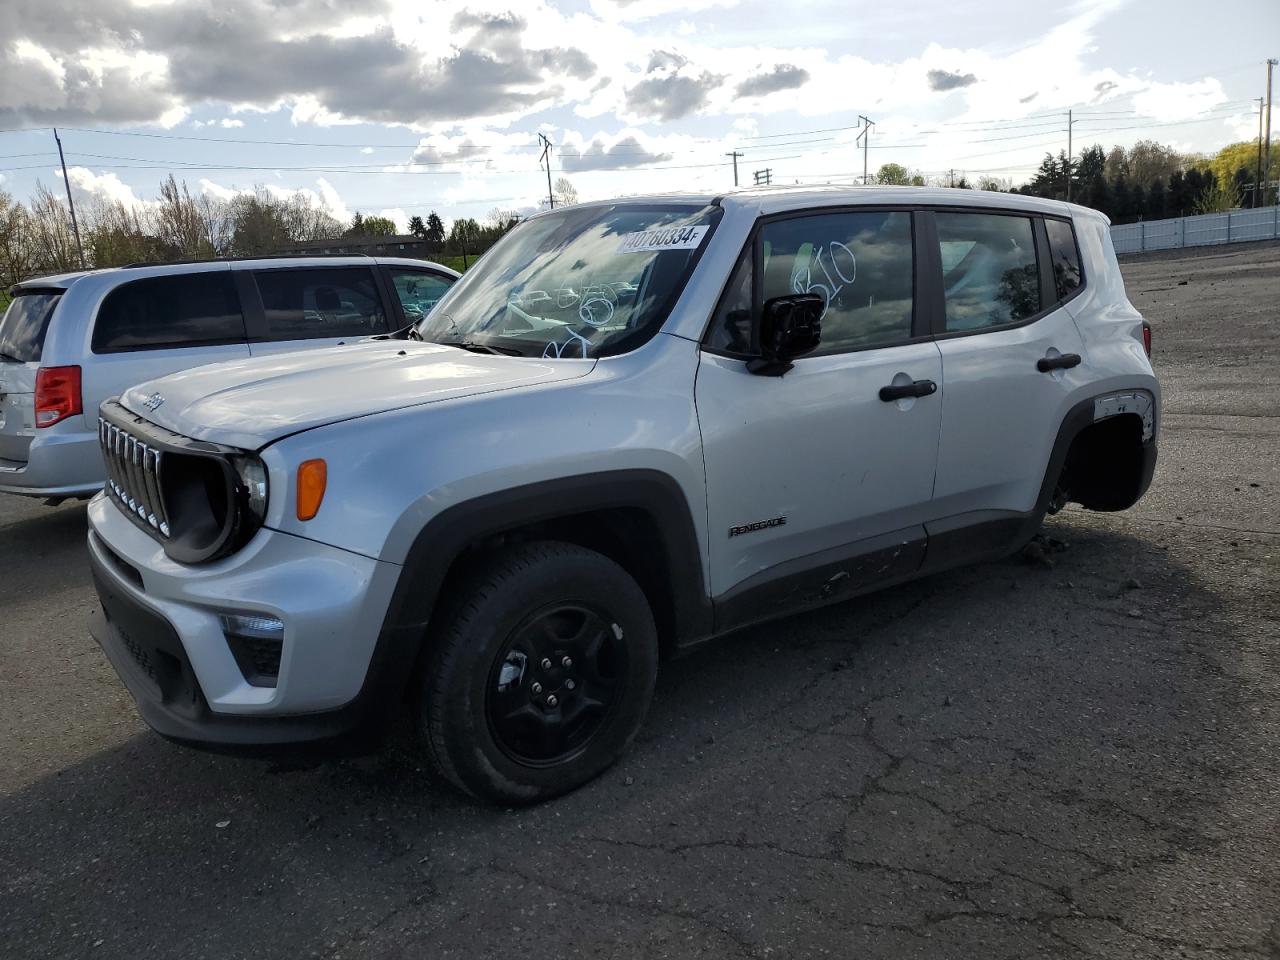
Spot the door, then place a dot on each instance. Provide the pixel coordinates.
(816, 485)
(298, 308)
(154, 326)
(1011, 359)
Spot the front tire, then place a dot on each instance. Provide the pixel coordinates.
(540, 673)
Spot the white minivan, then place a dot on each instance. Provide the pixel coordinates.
(68, 342)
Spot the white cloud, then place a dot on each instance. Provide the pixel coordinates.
(89, 186)
(647, 9)
(333, 201)
(398, 217)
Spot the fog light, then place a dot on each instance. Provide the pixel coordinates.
(256, 642)
(252, 625)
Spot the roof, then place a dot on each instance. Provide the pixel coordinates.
(779, 199)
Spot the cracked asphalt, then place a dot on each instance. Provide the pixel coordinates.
(1010, 760)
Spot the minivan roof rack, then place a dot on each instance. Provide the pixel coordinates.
(263, 256)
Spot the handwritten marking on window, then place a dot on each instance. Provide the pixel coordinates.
(839, 259)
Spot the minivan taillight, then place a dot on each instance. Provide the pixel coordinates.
(57, 395)
(1146, 338)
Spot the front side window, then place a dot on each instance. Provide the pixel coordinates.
(859, 263)
(315, 303)
(156, 313)
(588, 281)
(989, 271)
(1065, 258)
(24, 324)
(418, 290)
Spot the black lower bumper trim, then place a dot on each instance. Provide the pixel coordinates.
(147, 653)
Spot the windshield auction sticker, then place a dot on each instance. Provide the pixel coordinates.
(670, 238)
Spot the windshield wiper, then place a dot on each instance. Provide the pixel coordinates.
(481, 347)
(406, 332)
(10, 357)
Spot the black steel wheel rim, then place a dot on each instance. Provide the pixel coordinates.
(555, 683)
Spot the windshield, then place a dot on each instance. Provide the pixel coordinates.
(585, 282)
(23, 326)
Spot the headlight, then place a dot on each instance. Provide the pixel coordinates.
(252, 475)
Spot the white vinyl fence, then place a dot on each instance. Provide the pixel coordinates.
(1209, 228)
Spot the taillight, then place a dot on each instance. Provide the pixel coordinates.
(57, 395)
(1146, 338)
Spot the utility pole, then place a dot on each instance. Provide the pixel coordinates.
(546, 156)
(735, 154)
(764, 177)
(865, 137)
(75, 225)
(1257, 176)
(1070, 124)
(1266, 169)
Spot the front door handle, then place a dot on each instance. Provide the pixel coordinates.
(916, 388)
(1064, 361)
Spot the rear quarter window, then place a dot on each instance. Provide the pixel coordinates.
(1065, 256)
(156, 313)
(25, 323)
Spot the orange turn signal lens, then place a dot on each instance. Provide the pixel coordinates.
(312, 476)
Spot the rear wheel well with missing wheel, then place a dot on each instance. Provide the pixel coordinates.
(1105, 466)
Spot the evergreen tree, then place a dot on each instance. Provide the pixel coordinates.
(417, 227)
(1179, 195)
(1099, 195)
(1157, 200)
(1137, 204)
(435, 231)
(1121, 200)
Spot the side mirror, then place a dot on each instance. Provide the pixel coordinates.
(790, 327)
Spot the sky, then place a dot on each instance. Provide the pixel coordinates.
(400, 107)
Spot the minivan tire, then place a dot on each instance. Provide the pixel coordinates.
(539, 673)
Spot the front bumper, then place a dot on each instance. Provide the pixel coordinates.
(159, 626)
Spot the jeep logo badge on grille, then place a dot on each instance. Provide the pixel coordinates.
(153, 402)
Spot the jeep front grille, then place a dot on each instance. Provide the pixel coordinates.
(133, 475)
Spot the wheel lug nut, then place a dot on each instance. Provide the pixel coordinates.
(546, 663)
(566, 663)
(569, 684)
(536, 688)
(552, 700)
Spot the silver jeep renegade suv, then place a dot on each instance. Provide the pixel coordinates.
(632, 426)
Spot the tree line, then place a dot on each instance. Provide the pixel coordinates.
(1148, 181)
(37, 238)
(1151, 181)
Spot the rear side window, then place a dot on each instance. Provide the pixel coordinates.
(157, 313)
(1065, 257)
(24, 324)
(316, 303)
(989, 271)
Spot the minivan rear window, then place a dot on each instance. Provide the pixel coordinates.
(157, 313)
(24, 324)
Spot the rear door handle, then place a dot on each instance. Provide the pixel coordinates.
(917, 388)
(1064, 361)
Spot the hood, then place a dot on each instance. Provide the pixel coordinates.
(251, 403)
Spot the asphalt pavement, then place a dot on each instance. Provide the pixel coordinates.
(1075, 755)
